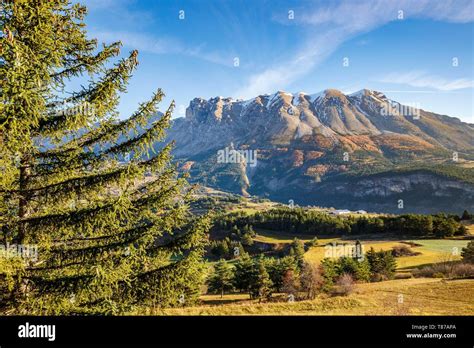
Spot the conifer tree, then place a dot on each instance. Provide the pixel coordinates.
(466, 215)
(297, 250)
(260, 284)
(467, 253)
(247, 239)
(243, 273)
(277, 268)
(107, 239)
(222, 279)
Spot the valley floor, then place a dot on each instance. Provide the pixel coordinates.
(404, 296)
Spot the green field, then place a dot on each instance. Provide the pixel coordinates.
(431, 250)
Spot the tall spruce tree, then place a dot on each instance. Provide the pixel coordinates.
(260, 282)
(297, 250)
(107, 238)
(222, 279)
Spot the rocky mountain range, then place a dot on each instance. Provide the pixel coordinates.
(357, 151)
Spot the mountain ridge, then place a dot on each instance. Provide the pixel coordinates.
(304, 139)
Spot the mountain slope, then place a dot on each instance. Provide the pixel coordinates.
(305, 144)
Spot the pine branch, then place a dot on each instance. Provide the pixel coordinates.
(80, 63)
(77, 158)
(101, 96)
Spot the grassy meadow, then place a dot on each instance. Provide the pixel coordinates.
(410, 296)
(421, 296)
(431, 250)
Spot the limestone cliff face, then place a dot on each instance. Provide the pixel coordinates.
(419, 192)
(365, 117)
(307, 143)
(390, 186)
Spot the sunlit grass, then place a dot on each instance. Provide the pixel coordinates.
(420, 296)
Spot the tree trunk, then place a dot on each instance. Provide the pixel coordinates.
(23, 201)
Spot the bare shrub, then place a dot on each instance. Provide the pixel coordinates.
(378, 277)
(344, 285)
(403, 250)
(463, 270)
(432, 271)
(311, 280)
(446, 270)
(407, 275)
(411, 243)
(290, 283)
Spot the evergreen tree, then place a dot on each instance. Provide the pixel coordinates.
(382, 264)
(222, 279)
(107, 240)
(243, 273)
(313, 242)
(235, 231)
(390, 264)
(467, 253)
(237, 249)
(359, 270)
(277, 268)
(297, 250)
(260, 285)
(249, 230)
(247, 239)
(329, 270)
(445, 227)
(224, 248)
(466, 215)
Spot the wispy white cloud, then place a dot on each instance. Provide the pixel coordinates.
(137, 41)
(120, 10)
(328, 27)
(423, 79)
(162, 45)
(129, 17)
(101, 4)
(276, 77)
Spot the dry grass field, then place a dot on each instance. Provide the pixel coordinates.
(421, 296)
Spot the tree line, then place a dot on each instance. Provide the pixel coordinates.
(310, 222)
(262, 276)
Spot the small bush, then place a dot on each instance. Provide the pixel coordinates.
(403, 250)
(312, 243)
(463, 270)
(412, 244)
(403, 275)
(344, 285)
(446, 270)
(378, 277)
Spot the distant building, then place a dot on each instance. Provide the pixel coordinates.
(340, 212)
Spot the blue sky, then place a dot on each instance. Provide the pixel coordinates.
(241, 49)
